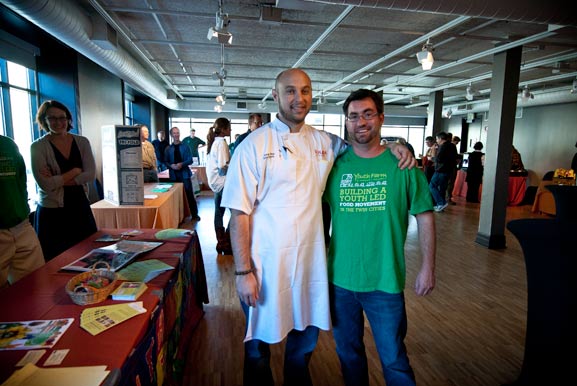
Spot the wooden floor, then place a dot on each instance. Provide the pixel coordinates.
(469, 332)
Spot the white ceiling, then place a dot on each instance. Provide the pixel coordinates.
(342, 47)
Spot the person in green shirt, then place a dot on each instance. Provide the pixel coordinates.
(20, 250)
(370, 199)
(193, 142)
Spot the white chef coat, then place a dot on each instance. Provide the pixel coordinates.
(217, 159)
(278, 178)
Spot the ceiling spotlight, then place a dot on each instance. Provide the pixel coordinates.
(321, 100)
(471, 93)
(221, 98)
(218, 108)
(425, 57)
(449, 113)
(526, 94)
(574, 87)
(220, 30)
(262, 105)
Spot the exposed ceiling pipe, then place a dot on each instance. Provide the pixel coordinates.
(68, 22)
(533, 11)
(557, 96)
(448, 26)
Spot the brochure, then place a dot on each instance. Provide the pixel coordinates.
(115, 255)
(32, 334)
(129, 290)
(144, 270)
(98, 319)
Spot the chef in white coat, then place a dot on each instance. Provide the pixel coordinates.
(274, 187)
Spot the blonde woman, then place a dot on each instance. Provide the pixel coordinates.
(63, 165)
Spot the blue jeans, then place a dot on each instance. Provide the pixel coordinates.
(298, 351)
(438, 187)
(388, 319)
(218, 210)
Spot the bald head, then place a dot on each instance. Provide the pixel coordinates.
(294, 94)
(289, 73)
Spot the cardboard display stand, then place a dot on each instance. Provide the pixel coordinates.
(123, 182)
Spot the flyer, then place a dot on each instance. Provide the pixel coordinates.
(33, 334)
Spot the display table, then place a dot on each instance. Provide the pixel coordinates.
(168, 210)
(516, 188)
(148, 349)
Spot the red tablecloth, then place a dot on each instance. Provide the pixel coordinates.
(516, 188)
(41, 295)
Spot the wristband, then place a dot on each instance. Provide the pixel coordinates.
(242, 273)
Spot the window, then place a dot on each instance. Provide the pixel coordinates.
(128, 111)
(332, 123)
(18, 96)
(415, 135)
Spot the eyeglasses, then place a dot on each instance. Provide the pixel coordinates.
(56, 119)
(367, 116)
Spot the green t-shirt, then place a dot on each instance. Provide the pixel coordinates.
(14, 202)
(370, 200)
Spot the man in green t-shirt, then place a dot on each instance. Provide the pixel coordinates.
(20, 250)
(193, 143)
(370, 200)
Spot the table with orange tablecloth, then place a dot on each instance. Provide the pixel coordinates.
(145, 349)
(167, 210)
(516, 188)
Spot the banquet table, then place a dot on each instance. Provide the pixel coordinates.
(148, 349)
(516, 188)
(167, 210)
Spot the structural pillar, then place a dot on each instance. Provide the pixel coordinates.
(502, 106)
(435, 112)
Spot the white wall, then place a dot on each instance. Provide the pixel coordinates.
(546, 136)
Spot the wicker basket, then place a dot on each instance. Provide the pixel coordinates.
(89, 295)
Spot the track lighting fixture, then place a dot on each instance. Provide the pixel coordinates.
(425, 56)
(262, 105)
(574, 87)
(449, 113)
(220, 30)
(221, 98)
(321, 100)
(526, 94)
(471, 92)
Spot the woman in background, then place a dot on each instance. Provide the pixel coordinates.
(475, 173)
(218, 156)
(63, 165)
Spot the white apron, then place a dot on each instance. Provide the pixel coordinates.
(278, 178)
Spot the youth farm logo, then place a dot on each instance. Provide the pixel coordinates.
(360, 193)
